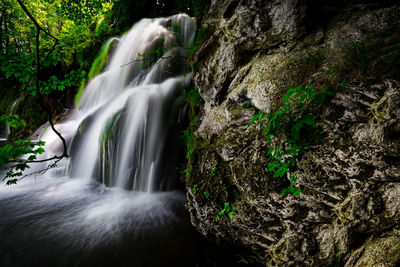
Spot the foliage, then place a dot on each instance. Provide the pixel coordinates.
(193, 97)
(80, 92)
(201, 35)
(101, 59)
(73, 78)
(175, 28)
(214, 170)
(226, 213)
(188, 138)
(194, 100)
(13, 120)
(12, 153)
(295, 121)
(195, 189)
(246, 104)
(82, 11)
(76, 24)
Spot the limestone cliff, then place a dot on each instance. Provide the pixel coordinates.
(349, 210)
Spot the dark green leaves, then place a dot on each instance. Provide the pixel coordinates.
(226, 213)
(295, 122)
(11, 153)
(73, 78)
(13, 120)
(82, 11)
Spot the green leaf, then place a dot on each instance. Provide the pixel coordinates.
(12, 181)
(271, 149)
(320, 98)
(330, 93)
(255, 118)
(289, 93)
(309, 119)
(296, 129)
(281, 172)
(271, 166)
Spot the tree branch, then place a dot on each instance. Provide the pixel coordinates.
(38, 93)
(147, 59)
(34, 20)
(35, 161)
(42, 171)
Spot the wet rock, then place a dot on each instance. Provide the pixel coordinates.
(349, 210)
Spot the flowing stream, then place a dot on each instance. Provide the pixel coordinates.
(115, 201)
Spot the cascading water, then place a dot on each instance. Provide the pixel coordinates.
(5, 127)
(123, 135)
(126, 113)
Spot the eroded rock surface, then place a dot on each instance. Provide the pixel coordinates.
(349, 209)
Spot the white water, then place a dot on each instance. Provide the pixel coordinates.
(5, 128)
(126, 113)
(117, 186)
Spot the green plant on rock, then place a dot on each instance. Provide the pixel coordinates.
(295, 123)
(195, 189)
(175, 28)
(226, 213)
(246, 104)
(194, 100)
(214, 170)
(201, 35)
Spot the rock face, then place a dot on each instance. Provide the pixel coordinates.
(349, 210)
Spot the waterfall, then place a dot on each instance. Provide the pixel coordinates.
(121, 135)
(124, 130)
(5, 127)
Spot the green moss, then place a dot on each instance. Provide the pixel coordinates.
(101, 59)
(96, 68)
(106, 138)
(109, 128)
(80, 92)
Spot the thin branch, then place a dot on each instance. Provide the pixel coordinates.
(33, 74)
(39, 94)
(34, 20)
(146, 59)
(50, 166)
(35, 161)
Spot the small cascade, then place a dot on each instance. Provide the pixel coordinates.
(124, 131)
(5, 127)
(3, 132)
